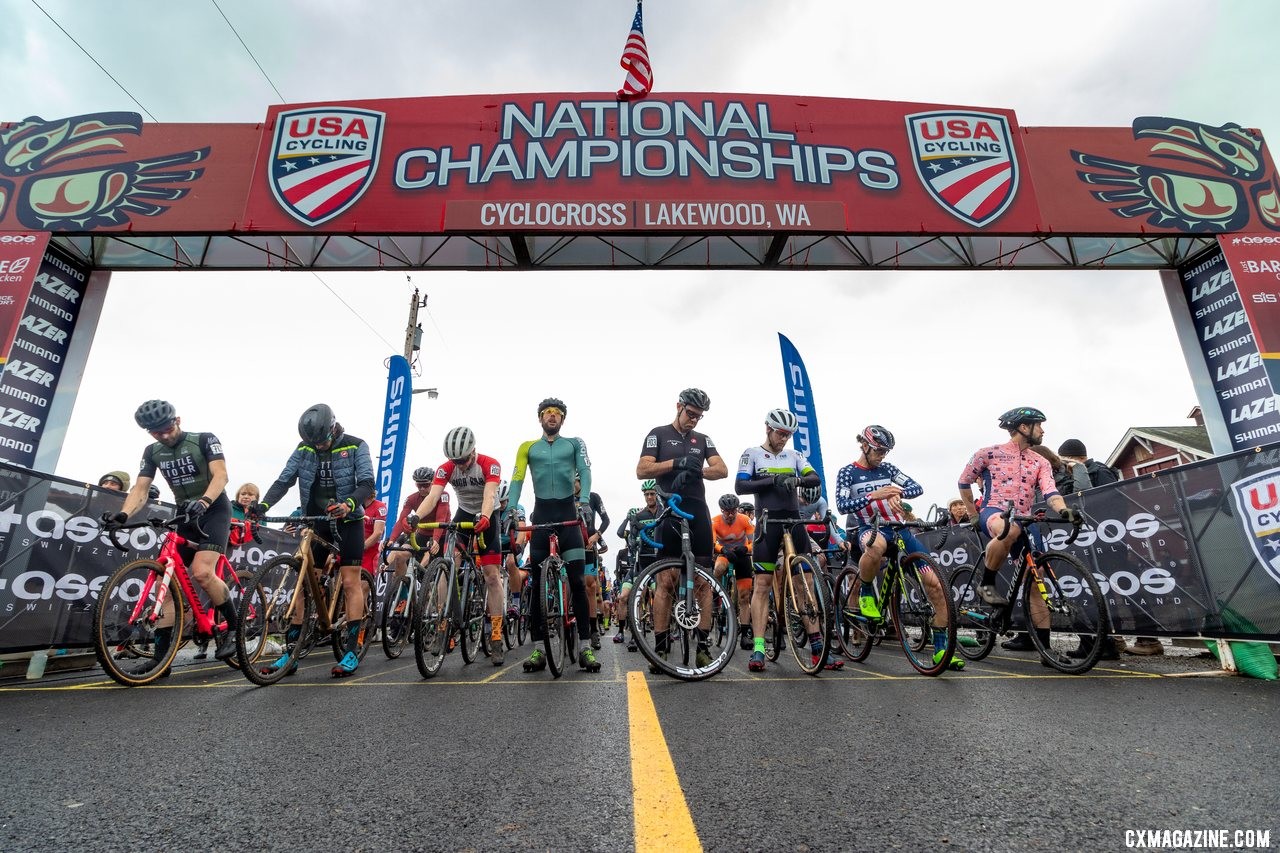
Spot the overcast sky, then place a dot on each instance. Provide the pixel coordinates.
(935, 357)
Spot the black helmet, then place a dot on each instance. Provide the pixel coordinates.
(728, 502)
(877, 437)
(424, 474)
(1014, 418)
(155, 415)
(746, 506)
(549, 402)
(317, 424)
(695, 397)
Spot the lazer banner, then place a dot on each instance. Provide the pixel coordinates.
(36, 357)
(800, 401)
(1172, 552)
(395, 432)
(20, 256)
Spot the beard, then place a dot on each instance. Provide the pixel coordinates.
(550, 429)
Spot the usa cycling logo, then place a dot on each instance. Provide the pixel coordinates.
(966, 161)
(323, 159)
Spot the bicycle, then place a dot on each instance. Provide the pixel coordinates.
(399, 617)
(685, 636)
(1054, 582)
(299, 605)
(132, 602)
(798, 609)
(446, 605)
(559, 623)
(903, 593)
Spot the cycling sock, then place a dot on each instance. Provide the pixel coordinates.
(704, 638)
(163, 639)
(868, 588)
(758, 645)
(228, 611)
(939, 638)
(988, 577)
(496, 627)
(815, 643)
(353, 636)
(661, 640)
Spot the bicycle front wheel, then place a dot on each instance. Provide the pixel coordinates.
(265, 622)
(397, 614)
(522, 628)
(806, 614)
(853, 629)
(1077, 613)
(920, 602)
(555, 634)
(364, 634)
(431, 631)
(473, 633)
(974, 637)
(124, 636)
(684, 634)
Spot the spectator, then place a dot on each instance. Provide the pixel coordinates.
(958, 513)
(1081, 468)
(246, 496)
(375, 525)
(115, 481)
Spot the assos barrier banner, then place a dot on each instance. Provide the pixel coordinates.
(800, 401)
(395, 433)
(1190, 551)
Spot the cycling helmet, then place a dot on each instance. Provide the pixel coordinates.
(877, 438)
(783, 419)
(550, 402)
(424, 474)
(649, 486)
(1014, 418)
(746, 506)
(155, 415)
(504, 491)
(317, 424)
(695, 397)
(811, 494)
(459, 443)
(728, 502)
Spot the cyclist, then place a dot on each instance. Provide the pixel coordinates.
(335, 478)
(475, 478)
(641, 554)
(733, 533)
(512, 543)
(749, 510)
(552, 461)
(868, 487)
(399, 560)
(196, 470)
(772, 471)
(595, 547)
(824, 533)
(1012, 472)
(680, 458)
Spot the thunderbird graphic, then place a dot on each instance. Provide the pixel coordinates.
(965, 159)
(323, 159)
(49, 197)
(1258, 499)
(1233, 186)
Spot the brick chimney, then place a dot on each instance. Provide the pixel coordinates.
(1197, 416)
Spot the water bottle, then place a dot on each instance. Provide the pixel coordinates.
(35, 669)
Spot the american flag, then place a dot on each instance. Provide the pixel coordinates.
(635, 61)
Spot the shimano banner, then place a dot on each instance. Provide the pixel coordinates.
(54, 557)
(1191, 551)
(395, 433)
(800, 401)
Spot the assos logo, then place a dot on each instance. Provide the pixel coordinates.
(323, 159)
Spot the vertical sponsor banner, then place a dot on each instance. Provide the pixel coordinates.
(800, 399)
(395, 439)
(1231, 352)
(38, 355)
(20, 255)
(1254, 261)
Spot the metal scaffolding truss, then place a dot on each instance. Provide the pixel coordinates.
(122, 251)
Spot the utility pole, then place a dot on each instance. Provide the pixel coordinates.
(413, 332)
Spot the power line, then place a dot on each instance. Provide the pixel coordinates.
(95, 62)
(250, 52)
(355, 313)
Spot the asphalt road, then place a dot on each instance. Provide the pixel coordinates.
(1005, 756)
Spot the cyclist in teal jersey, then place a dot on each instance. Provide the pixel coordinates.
(193, 465)
(552, 461)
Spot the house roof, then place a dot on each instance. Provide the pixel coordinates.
(1192, 439)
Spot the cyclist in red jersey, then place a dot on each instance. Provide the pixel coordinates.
(1010, 472)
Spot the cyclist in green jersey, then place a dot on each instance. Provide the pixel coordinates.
(552, 461)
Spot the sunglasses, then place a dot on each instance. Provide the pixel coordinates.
(551, 410)
(691, 416)
(783, 432)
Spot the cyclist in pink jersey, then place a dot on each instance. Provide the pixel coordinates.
(1010, 472)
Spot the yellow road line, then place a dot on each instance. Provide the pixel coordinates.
(662, 819)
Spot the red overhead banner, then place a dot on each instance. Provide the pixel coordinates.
(589, 163)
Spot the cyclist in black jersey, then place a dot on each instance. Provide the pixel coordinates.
(196, 470)
(639, 554)
(590, 510)
(680, 458)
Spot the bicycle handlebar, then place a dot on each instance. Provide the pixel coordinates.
(673, 508)
(877, 522)
(158, 523)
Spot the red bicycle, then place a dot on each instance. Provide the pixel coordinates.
(145, 595)
(560, 625)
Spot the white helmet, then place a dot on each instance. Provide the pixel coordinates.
(459, 443)
(781, 419)
(504, 491)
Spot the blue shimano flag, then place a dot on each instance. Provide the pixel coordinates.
(395, 435)
(800, 401)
